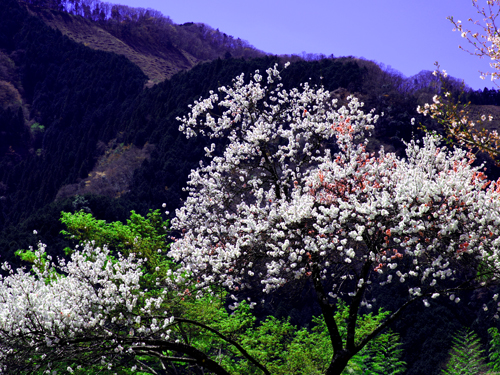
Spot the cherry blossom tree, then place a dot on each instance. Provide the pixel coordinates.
(483, 38)
(294, 196)
(482, 35)
(91, 313)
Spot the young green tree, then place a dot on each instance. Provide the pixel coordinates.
(494, 352)
(288, 350)
(146, 237)
(466, 356)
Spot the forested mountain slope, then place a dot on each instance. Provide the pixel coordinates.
(156, 62)
(149, 39)
(73, 92)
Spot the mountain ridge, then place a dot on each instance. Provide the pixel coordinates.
(157, 64)
(150, 40)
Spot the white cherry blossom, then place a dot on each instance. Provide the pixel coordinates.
(88, 310)
(295, 195)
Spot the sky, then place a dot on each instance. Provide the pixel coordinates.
(408, 36)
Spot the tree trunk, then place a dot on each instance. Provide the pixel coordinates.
(339, 362)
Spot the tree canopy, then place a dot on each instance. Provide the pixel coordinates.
(295, 196)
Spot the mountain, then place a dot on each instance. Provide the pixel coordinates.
(150, 40)
(157, 62)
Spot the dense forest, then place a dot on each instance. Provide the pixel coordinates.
(80, 130)
(200, 40)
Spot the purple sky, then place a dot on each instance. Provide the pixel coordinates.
(408, 36)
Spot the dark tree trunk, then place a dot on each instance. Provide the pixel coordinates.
(339, 362)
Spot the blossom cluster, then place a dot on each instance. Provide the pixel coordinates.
(295, 195)
(454, 117)
(486, 43)
(458, 124)
(90, 306)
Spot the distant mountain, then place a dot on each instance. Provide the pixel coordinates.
(159, 47)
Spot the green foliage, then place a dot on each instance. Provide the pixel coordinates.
(466, 355)
(494, 355)
(286, 349)
(30, 256)
(37, 261)
(380, 356)
(37, 128)
(143, 236)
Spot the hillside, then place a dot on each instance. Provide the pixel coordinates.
(150, 40)
(157, 62)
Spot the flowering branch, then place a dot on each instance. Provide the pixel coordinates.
(456, 121)
(88, 311)
(486, 43)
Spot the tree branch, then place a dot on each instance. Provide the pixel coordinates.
(234, 343)
(327, 310)
(354, 308)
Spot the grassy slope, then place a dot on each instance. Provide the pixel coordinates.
(158, 64)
